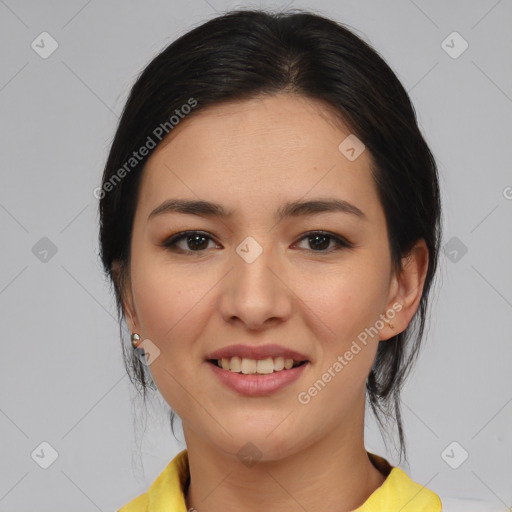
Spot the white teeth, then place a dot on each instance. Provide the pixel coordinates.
(248, 366)
(235, 364)
(252, 366)
(265, 366)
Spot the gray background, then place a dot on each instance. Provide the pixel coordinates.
(62, 379)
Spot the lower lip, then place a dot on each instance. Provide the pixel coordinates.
(257, 385)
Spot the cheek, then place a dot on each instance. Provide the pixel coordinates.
(166, 303)
(344, 301)
(166, 306)
(339, 381)
(346, 304)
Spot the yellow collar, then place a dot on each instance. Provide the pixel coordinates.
(398, 492)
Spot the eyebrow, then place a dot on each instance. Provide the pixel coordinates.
(289, 209)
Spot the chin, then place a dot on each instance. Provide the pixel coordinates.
(256, 443)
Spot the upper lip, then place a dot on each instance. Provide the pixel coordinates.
(257, 352)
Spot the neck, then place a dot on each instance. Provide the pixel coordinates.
(334, 473)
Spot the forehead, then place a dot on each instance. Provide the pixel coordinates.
(267, 126)
(276, 146)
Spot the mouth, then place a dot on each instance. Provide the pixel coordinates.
(265, 366)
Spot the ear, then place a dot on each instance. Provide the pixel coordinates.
(122, 280)
(406, 289)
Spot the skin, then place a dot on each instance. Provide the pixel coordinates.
(252, 156)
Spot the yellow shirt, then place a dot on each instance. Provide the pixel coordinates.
(397, 493)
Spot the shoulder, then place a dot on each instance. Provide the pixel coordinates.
(139, 504)
(414, 497)
(167, 491)
(400, 492)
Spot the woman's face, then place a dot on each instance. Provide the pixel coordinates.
(255, 278)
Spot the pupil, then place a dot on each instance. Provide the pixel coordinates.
(323, 246)
(195, 238)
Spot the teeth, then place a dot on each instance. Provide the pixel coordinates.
(252, 366)
(265, 366)
(235, 364)
(248, 366)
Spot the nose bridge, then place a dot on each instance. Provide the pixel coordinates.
(253, 292)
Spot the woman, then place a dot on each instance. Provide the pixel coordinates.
(270, 220)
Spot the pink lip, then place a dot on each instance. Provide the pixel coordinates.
(257, 352)
(257, 385)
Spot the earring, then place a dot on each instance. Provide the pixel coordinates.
(135, 340)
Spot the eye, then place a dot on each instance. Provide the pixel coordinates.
(194, 241)
(320, 241)
(197, 241)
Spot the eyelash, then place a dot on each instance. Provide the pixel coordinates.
(170, 243)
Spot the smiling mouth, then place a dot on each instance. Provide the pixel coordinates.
(259, 367)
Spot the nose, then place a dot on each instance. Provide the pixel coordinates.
(255, 292)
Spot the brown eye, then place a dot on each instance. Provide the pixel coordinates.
(194, 241)
(319, 241)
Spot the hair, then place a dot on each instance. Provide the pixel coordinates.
(244, 54)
